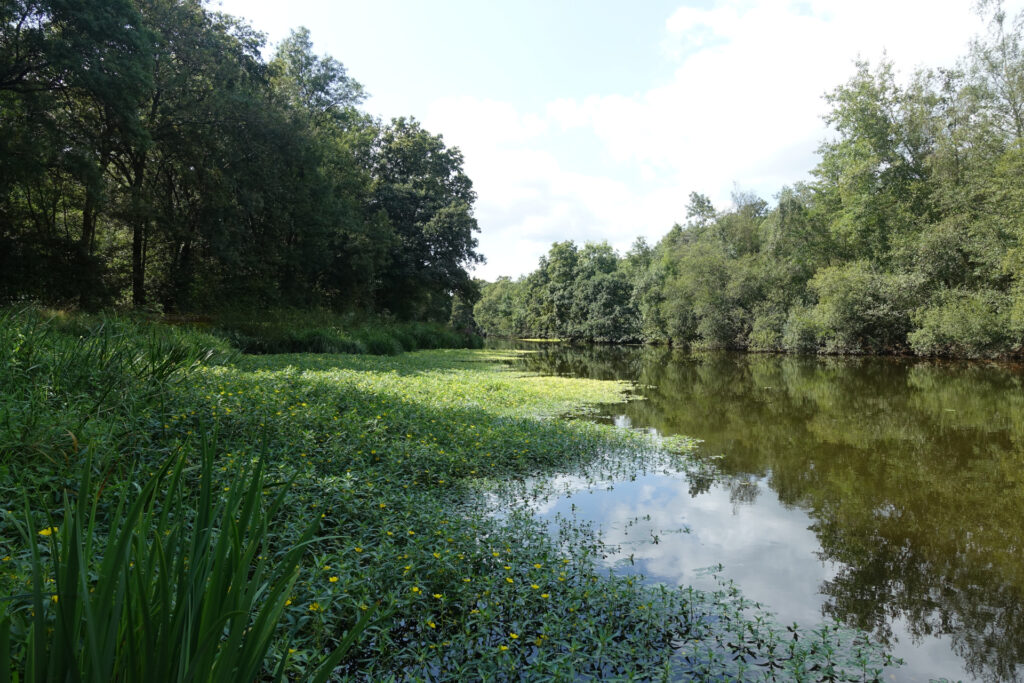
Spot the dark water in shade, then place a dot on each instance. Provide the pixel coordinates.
(888, 493)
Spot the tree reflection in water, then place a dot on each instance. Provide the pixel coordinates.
(911, 471)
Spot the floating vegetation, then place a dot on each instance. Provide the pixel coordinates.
(398, 461)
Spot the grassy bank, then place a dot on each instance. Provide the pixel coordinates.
(320, 331)
(321, 516)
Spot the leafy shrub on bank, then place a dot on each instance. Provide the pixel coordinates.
(801, 331)
(969, 324)
(863, 310)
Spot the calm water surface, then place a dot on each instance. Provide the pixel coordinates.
(888, 493)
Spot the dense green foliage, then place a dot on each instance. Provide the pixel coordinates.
(150, 156)
(322, 331)
(299, 506)
(909, 238)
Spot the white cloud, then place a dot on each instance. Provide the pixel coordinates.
(743, 108)
(527, 197)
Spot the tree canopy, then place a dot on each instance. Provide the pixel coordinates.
(150, 156)
(908, 238)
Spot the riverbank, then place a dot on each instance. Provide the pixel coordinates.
(376, 465)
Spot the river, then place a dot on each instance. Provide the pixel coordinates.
(885, 492)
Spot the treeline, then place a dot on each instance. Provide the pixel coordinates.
(150, 156)
(910, 237)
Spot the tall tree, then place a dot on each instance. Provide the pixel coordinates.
(428, 198)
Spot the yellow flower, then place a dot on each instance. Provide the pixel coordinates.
(358, 549)
(315, 607)
(509, 580)
(54, 598)
(513, 636)
(538, 565)
(503, 647)
(438, 596)
(48, 531)
(545, 596)
(287, 602)
(431, 624)
(333, 579)
(534, 586)
(415, 589)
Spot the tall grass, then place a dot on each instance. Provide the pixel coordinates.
(71, 379)
(326, 332)
(181, 587)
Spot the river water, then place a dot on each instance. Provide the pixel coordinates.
(884, 492)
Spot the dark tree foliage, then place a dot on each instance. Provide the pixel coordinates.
(419, 185)
(150, 156)
(909, 239)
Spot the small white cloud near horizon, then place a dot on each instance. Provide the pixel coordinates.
(743, 109)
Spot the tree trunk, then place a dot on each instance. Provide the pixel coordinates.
(139, 221)
(138, 264)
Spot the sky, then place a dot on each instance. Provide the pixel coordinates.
(594, 120)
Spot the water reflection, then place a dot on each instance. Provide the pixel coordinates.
(888, 493)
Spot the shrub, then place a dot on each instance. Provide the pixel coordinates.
(963, 323)
(378, 341)
(766, 332)
(325, 332)
(801, 331)
(861, 310)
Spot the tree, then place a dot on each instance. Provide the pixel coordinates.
(874, 175)
(495, 312)
(70, 78)
(420, 184)
(318, 86)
